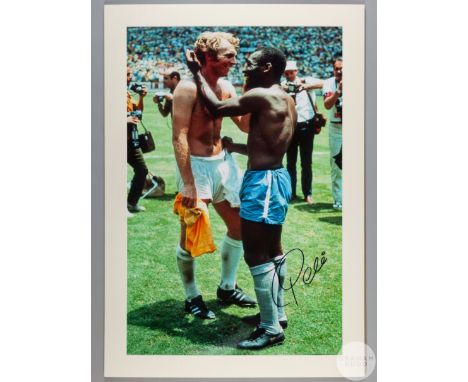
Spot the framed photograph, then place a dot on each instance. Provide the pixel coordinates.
(234, 217)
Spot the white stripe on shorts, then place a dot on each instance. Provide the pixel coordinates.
(267, 196)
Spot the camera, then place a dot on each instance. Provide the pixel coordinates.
(137, 88)
(160, 96)
(292, 88)
(135, 113)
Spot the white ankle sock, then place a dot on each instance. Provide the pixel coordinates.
(266, 290)
(186, 266)
(231, 252)
(280, 262)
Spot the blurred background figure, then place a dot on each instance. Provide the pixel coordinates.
(333, 101)
(171, 79)
(134, 153)
(303, 139)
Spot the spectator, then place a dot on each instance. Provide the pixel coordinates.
(303, 138)
(134, 153)
(171, 79)
(333, 101)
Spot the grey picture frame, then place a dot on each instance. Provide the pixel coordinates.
(98, 172)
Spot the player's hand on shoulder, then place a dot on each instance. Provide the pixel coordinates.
(192, 61)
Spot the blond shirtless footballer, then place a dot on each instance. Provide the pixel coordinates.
(204, 174)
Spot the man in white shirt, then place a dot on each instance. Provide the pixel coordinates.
(303, 139)
(333, 101)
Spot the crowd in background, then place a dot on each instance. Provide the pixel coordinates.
(152, 50)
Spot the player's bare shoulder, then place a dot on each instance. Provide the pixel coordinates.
(186, 88)
(185, 98)
(227, 88)
(282, 102)
(274, 94)
(284, 107)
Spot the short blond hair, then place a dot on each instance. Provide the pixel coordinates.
(209, 42)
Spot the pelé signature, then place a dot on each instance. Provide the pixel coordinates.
(308, 273)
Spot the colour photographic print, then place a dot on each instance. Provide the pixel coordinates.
(312, 235)
(234, 200)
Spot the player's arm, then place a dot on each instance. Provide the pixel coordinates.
(232, 147)
(331, 97)
(251, 101)
(242, 122)
(184, 100)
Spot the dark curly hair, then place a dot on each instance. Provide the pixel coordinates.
(277, 59)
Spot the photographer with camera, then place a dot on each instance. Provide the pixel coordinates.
(333, 101)
(306, 128)
(170, 79)
(134, 153)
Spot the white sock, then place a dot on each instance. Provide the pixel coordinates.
(266, 290)
(231, 252)
(186, 266)
(280, 262)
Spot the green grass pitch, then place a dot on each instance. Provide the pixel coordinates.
(156, 322)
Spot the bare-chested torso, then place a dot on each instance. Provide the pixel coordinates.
(271, 130)
(204, 135)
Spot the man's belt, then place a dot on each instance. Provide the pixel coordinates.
(305, 122)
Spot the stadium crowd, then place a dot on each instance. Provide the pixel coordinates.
(314, 48)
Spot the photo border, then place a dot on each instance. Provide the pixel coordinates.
(98, 176)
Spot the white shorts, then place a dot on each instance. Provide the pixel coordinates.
(217, 178)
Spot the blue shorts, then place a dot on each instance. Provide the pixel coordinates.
(265, 195)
